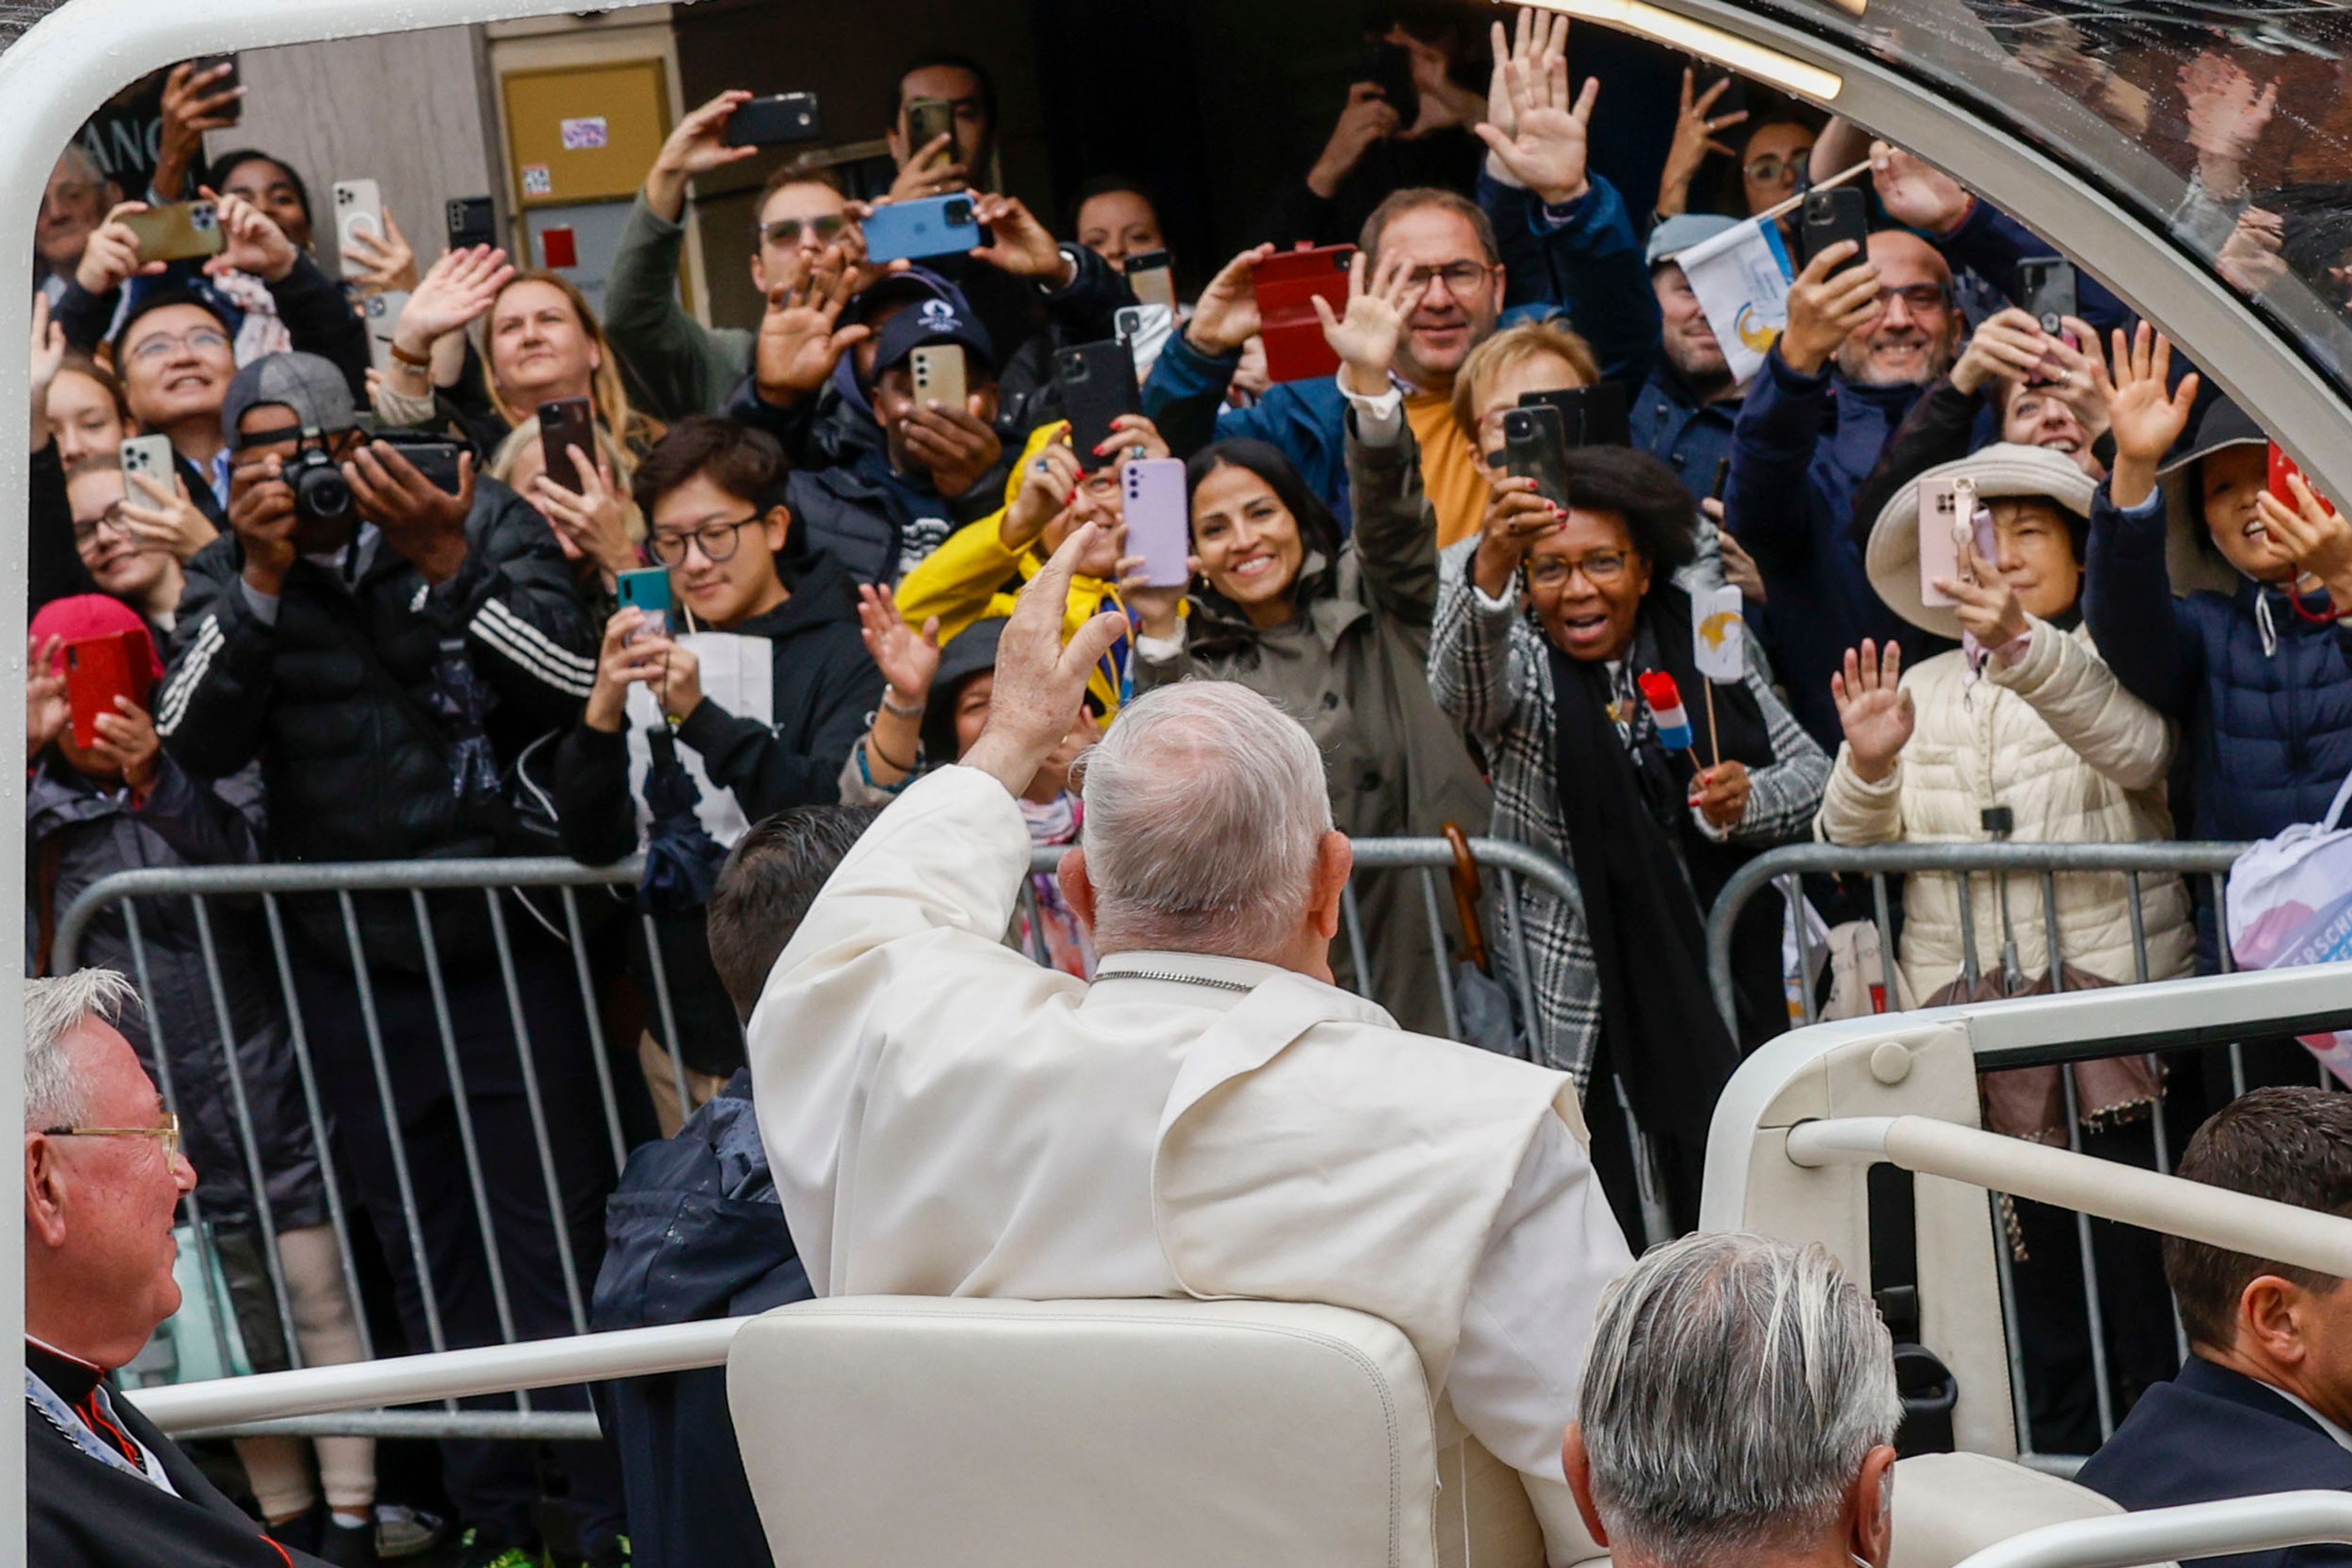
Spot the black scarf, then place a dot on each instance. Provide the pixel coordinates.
(1623, 797)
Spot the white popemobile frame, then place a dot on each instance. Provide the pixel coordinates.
(73, 59)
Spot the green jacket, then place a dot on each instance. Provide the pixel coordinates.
(674, 365)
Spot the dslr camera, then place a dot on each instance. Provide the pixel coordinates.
(320, 492)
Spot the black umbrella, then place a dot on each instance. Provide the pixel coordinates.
(681, 860)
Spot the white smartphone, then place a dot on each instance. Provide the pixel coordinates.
(939, 373)
(359, 209)
(1946, 511)
(1159, 520)
(151, 456)
(383, 320)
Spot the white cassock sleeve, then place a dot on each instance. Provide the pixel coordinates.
(1554, 1248)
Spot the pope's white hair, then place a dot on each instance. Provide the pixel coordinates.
(55, 1095)
(1204, 806)
(1734, 1386)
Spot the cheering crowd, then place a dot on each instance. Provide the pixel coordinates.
(391, 602)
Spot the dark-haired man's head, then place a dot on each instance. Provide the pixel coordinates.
(176, 355)
(710, 491)
(963, 84)
(798, 210)
(2277, 1323)
(772, 876)
(1457, 269)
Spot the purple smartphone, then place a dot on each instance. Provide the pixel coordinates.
(1159, 520)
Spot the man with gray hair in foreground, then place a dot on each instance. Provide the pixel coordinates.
(1738, 1408)
(1211, 1117)
(103, 1179)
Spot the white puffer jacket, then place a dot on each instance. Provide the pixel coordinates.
(2056, 739)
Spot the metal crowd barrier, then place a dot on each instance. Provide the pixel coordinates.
(2038, 866)
(218, 894)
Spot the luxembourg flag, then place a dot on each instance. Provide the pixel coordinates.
(1666, 700)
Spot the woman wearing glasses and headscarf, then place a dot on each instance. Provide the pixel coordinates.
(1548, 650)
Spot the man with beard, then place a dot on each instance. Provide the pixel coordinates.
(1684, 413)
(1864, 336)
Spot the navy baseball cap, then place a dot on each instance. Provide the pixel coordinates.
(932, 320)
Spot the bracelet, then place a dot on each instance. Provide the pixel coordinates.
(914, 711)
(866, 768)
(414, 361)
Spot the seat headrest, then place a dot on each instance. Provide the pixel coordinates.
(1950, 1506)
(898, 1430)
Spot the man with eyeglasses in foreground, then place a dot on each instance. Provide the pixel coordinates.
(743, 701)
(103, 1179)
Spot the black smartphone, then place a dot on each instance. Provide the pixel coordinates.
(928, 120)
(1534, 447)
(2047, 291)
(235, 112)
(1097, 385)
(564, 424)
(435, 456)
(1388, 67)
(472, 221)
(1828, 217)
(775, 122)
(1588, 416)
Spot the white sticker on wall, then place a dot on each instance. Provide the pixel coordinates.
(536, 180)
(580, 135)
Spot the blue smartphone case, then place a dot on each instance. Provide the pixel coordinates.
(934, 226)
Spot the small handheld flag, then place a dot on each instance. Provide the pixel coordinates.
(1718, 625)
(1666, 700)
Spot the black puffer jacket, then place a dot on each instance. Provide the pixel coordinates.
(78, 832)
(344, 696)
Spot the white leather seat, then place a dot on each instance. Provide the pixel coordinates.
(907, 1432)
(1949, 1506)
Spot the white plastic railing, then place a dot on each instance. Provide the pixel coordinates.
(447, 1375)
(2178, 1534)
(2212, 1215)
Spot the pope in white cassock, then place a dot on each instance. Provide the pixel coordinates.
(1211, 1117)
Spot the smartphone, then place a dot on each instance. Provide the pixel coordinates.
(97, 671)
(1534, 447)
(2282, 468)
(564, 424)
(151, 456)
(1388, 67)
(1285, 285)
(939, 374)
(1097, 385)
(774, 121)
(1159, 520)
(1830, 216)
(472, 221)
(929, 225)
(646, 589)
(382, 312)
(2046, 291)
(1145, 329)
(235, 110)
(928, 120)
(1946, 513)
(435, 456)
(1588, 416)
(359, 209)
(1151, 279)
(178, 231)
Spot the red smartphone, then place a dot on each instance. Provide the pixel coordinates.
(97, 671)
(2282, 468)
(1285, 285)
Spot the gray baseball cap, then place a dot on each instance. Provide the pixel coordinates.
(310, 387)
(1681, 231)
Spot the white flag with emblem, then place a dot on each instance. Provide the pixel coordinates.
(1741, 278)
(1718, 626)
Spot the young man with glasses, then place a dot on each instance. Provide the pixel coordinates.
(743, 701)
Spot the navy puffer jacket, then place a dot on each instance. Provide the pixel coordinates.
(2266, 722)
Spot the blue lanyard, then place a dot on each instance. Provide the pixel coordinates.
(1118, 663)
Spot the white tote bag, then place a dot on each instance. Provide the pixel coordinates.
(2290, 902)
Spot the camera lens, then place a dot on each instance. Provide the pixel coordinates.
(319, 491)
(958, 213)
